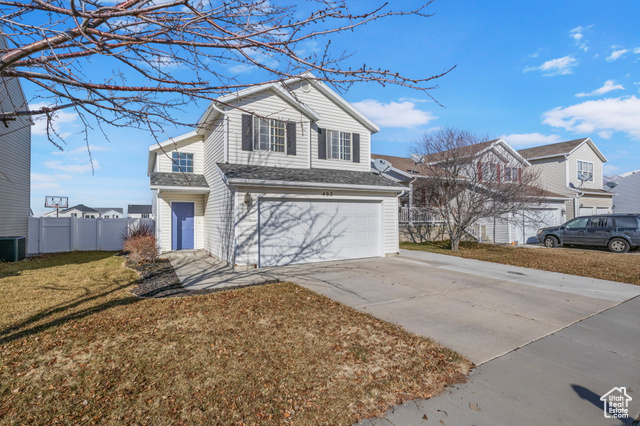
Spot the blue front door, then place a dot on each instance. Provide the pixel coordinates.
(181, 226)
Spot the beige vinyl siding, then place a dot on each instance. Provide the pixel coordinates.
(585, 153)
(219, 232)
(214, 143)
(591, 201)
(495, 231)
(334, 117)
(247, 219)
(553, 174)
(164, 208)
(219, 237)
(390, 221)
(268, 105)
(15, 163)
(628, 198)
(193, 146)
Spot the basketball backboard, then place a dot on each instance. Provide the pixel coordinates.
(56, 202)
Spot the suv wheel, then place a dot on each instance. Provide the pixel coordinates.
(619, 245)
(550, 242)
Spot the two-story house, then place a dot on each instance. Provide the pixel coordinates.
(573, 169)
(492, 161)
(15, 161)
(275, 174)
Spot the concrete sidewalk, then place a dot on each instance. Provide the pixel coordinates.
(557, 380)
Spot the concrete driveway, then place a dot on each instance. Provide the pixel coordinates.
(480, 309)
(547, 345)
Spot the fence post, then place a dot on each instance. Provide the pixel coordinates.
(40, 234)
(99, 233)
(73, 233)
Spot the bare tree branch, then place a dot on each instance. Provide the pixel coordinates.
(132, 63)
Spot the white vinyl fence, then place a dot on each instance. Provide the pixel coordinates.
(58, 234)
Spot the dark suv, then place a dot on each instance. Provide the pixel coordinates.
(619, 232)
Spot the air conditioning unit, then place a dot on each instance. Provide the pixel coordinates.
(13, 249)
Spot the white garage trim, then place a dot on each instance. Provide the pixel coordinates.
(302, 230)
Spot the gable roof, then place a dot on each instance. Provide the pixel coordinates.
(139, 208)
(560, 149)
(280, 90)
(107, 209)
(402, 164)
(82, 208)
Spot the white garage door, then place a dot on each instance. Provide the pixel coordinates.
(533, 220)
(586, 211)
(292, 231)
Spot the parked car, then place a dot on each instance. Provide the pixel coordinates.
(618, 232)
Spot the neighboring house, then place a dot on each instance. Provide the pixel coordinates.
(627, 198)
(496, 160)
(272, 175)
(85, 212)
(15, 161)
(574, 170)
(140, 211)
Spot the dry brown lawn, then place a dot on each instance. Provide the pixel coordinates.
(586, 263)
(77, 347)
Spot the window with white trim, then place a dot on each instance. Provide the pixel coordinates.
(510, 174)
(585, 170)
(182, 162)
(269, 135)
(489, 172)
(338, 145)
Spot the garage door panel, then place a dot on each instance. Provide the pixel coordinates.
(534, 219)
(313, 231)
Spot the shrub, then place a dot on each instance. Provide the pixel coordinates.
(141, 249)
(139, 229)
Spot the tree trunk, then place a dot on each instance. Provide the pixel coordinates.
(455, 242)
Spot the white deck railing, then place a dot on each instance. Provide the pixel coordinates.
(418, 215)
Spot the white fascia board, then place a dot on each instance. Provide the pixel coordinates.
(191, 189)
(151, 162)
(288, 184)
(593, 147)
(332, 95)
(277, 89)
(512, 151)
(172, 141)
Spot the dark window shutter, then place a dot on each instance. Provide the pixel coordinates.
(355, 140)
(519, 175)
(322, 144)
(479, 171)
(498, 172)
(291, 138)
(247, 132)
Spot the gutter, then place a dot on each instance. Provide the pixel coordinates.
(288, 184)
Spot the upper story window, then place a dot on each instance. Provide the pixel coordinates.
(182, 162)
(338, 145)
(511, 174)
(585, 171)
(269, 135)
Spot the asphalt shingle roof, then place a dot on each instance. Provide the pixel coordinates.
(106, 209)
(177, 179)
(347, 177)
(559, 148)
(139, 208)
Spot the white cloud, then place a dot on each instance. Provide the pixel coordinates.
(605, 115)
(394, 114)
(558, 66)
(609, 86)
(616, 54)
(578, 35)
(76, 169)
(523, 140)
(62, 120)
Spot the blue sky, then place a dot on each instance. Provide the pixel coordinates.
(530, 72)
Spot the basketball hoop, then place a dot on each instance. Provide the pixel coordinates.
(56, 202)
